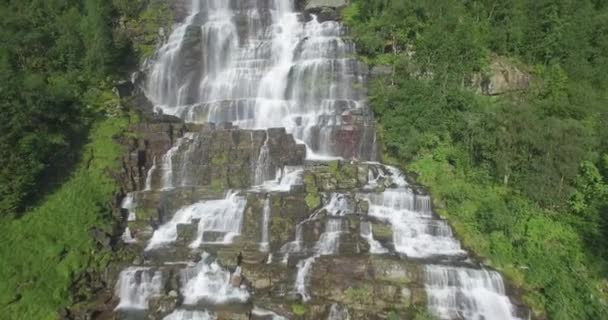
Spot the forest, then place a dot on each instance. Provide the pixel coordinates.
(522, 176)
(58, 62)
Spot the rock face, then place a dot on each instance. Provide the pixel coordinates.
(503, 77)
(325, 9)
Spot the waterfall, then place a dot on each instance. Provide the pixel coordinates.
(149, 175)
(262, 165)
(416, 233)
(266, 314)
(135, 286)
(286, 177)
(128, 203)
(168, 178)
(189, 315)
(269, 70)
(338, 205)
(466, 293)
(375, 247)
(127, 237)
(259, 65)
(328, 244)
(264, 244)
(207, 281)
(218, 217)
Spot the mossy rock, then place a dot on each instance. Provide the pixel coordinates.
(360, 296)
(313, 200)
(145, 214)
(298, 309)
(382, 232)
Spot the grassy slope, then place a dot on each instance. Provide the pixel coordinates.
(41, 252)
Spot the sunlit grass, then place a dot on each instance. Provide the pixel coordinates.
(41, 252)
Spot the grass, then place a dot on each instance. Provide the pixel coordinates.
(41, 253)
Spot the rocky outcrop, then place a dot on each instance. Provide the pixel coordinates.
(502, 77)
(324, 9)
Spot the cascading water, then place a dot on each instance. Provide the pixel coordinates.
(286, 177)
(208, 282)
(467, 293)
(265, 225)
(416, 233)
(261, 66)
(375, 247)
(221, 217)
(260, 73)
(262, 165)
(135, 286)
(328, 244)
(189, 315)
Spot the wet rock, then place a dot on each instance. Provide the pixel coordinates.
(382, 232)
(325, 9)
(186, 233)
(161, 306)
(124, 89)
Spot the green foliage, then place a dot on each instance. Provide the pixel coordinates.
(298, 309)
(520, 176)
(57, 65)
(42, 252)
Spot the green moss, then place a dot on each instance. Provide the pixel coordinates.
(298, 309)
(382, 232)
(310, 182)
(360, 296)
(313, 200)
(280, 227)
(217, 185)
(220, 159)
(334, 167)
(144, 214)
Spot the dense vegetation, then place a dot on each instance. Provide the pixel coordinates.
(523, 177)
(58, 62)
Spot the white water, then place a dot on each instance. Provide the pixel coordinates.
(219, 216)
(127, 237)
(264, 244)
(416, 232)
(167, 168)
(338, 205)
(375, 247)
(467, 293)
(180, 314)
(136, 286)
(262, 165)
(286, 177)
(279, 73)
(149, 175)
(266, 314)
(128, 203)
(208, 282)
(328, 244)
